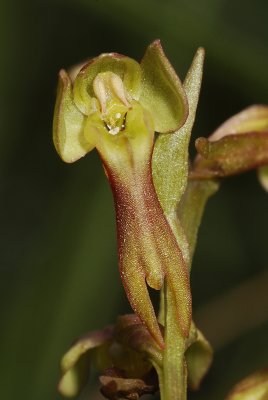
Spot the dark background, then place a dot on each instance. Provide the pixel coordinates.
(58, 274)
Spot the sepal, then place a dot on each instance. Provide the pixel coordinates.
(68, 123)
(76, 362)
(162, 92)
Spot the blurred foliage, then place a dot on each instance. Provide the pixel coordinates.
(59, 275)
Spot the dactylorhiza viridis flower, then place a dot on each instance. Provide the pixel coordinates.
(116, 105)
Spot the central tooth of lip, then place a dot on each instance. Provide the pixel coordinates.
(114, 131)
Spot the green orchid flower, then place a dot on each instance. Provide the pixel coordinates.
(127, 357)
(253, 387)
(116, 105)
(238, 145)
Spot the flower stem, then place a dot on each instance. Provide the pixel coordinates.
(173, 375)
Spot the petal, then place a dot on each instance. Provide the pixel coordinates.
(68, 124)
(126, 68)
(161, 90)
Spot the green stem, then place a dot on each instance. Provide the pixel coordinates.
(173, 374)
